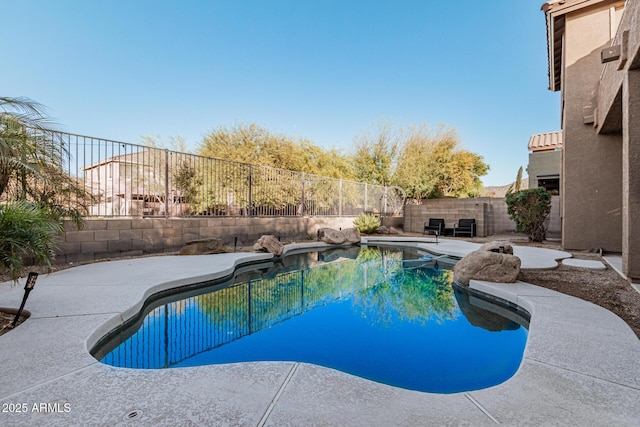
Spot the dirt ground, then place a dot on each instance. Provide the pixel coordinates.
(5, 321)
(605, 288)
(602, 287)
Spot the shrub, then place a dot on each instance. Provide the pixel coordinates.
(530, 210)
(366, 223)
(32, 162)
(26, 230)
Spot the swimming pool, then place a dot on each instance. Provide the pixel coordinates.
(391, 315)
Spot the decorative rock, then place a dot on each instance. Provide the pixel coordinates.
(488, 266)
(331, 236)
(393, 230)
(383, 229)
(351, 235)
(204, 247)
(496, 245)
(269, 243)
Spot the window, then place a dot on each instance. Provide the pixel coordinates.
(551, 184)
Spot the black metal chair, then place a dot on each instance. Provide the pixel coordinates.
(435, 226)
(465, 226)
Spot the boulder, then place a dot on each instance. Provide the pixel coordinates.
(204, 247)
(351, 235)
(393, 230)
(496, 246)
(331, 236)
(487, 266)
(383, 229)
(269, 243)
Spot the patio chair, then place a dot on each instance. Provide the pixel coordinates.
(435, 226)
(465, 226)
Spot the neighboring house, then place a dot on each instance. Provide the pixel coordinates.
(131, 184)
(545, 160)
(594, 60)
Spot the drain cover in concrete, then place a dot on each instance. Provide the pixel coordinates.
(583, 263)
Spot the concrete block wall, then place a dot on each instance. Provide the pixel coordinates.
(490, 214)
(452, 210)
(500, 222)
(111, 237)
(393, 221)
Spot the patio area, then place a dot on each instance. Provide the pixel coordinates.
(580, 365)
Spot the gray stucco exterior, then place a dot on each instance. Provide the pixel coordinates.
(600, 122)
(543, 164)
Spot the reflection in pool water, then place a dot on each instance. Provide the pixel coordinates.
(387, 314)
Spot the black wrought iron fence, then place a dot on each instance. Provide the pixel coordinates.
(123, 179)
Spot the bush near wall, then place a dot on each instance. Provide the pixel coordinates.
(530, 210)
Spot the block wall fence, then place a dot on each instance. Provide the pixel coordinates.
(490, 214)
(113, 237)
(116, 237)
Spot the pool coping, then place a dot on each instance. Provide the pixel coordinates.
(580, 364)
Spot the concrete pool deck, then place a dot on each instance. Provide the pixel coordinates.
(580, 367)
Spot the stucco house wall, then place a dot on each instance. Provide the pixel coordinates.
(594, 59)
(618, 116)
(592, 178)
(543, 163)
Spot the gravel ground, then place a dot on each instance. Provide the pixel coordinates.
(602, 287)
(5, 321)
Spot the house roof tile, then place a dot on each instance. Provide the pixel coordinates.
(545, 141)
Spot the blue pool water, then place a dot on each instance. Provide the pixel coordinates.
(390, 315)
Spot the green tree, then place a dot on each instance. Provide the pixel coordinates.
(256, 145)
(32, 158)
(431, 164)
(518, 183)
(172, 142)
(376, 153)
(35, 192)
(185, 177)
(331, 163)
(530, 210)
(275, 156)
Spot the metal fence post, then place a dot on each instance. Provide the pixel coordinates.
(366, 187)
(302, 209)
(340, 200)
(166, 183)
(249, 178)
(384, 202)
(128, 181)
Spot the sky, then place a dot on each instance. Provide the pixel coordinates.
(324, 70)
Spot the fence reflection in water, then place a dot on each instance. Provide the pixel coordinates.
(180, 330)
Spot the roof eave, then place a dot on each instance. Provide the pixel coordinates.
(550, 50)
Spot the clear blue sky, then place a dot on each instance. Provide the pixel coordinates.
(320, 69)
